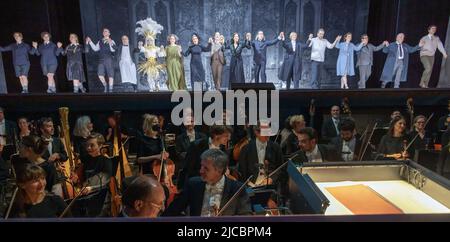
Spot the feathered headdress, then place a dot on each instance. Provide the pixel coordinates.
(148, 28)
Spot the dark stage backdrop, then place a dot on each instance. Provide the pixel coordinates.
(412, 17)
(31, 18)
(184, 17)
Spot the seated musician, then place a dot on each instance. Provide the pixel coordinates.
(207, 194)
(443, 166)
(24, 127)
(290, 145)
(109, 130)
(444, 120)
(348, 144)
(150, 148)
(83, 128)
(56, 151)
(143, 198)
(189, 135)
(286, 131)
(97, 168)
(393, 144)
(31, 150)
(7, 131)
(330, 126)
(219, 135)
(310, 150)
(260, 157)
(424, 139)
(32, 200)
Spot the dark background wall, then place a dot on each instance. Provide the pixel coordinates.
(381, 19)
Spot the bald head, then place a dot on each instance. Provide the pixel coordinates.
(144, 197)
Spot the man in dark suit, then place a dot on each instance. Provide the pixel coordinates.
(291, 70)
(330, 126)
(143, 198)
(259, 158)
(260, 45)
(310, 151)
(8, 131)
(219, 137)
(185, 139)
(56, 151)
(348, 144)
(206, 195)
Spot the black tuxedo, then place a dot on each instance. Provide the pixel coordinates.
(192, 197)
(248, 163)
(328, 154)
(291, 70)
(337, 143)
(57, 147)
(183, 142)
(329, 129)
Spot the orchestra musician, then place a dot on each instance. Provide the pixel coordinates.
(310, 150)
(33, 201)
(219, 135)
(330, 126)
(24, 127)
(392, 145)
(424, 139)
(207, 194)
(143, 198)
(260, 157)
(82, 130)
(56, 151)
(189, 135)
(348, 144)
(290, 145)
(7, 131)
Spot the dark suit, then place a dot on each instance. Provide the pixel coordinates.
(290, 145)
(327, 152)
(192, 197)
(183, 142)
(57, 147)
(248, 163)
(260, 56)
(337, 143)
(9, 136)
(291, 70)
(329, 129)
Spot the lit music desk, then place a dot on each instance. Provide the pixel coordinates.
(367, 188)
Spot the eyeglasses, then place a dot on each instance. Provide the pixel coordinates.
(160, 207)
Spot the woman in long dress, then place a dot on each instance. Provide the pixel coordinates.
(174, 62)
(237, 65)
(196, 50)
(75, 70)
(345, 64)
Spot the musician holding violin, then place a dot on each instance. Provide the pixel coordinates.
(393, 145)
(211, 193)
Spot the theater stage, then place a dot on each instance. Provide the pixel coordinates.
(361, 101)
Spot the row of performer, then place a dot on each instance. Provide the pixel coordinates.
(109, 54)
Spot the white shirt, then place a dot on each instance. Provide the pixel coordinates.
(336, 125)
(294, 45)
(212, 146)
(400, 51)
(261, 151)
(314, 156)
(126, 56)
(2, 132)
(96, 47)
(212, 197)
(348, 149)
(191, 135)
(318, 49)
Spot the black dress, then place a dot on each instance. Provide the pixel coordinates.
(75, 69)
(51, 207)
(197, 69)
(51, 176)
(237, 64)
(394, 145)
(147, 147)
(95, 165)
(79, 145)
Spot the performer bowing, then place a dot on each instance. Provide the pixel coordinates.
(291, 70)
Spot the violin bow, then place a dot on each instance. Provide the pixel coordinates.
(366, 145)
(63, 214)
(417, 135)
(234, 196)
(11, 203)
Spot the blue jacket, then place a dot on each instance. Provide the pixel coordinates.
(260, 49)
(20, 53)
(388, 70)
(48, 53)
(346, 58)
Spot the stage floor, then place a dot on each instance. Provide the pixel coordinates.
(289, 99)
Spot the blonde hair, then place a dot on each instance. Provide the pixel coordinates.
(81, 127)
(147, 125)
(296, 118)
(76, 37)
